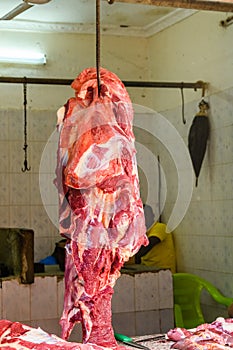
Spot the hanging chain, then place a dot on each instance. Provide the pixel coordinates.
(25, 167)
(98, 44)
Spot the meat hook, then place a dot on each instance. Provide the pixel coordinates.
(98, 45)
(25, 168)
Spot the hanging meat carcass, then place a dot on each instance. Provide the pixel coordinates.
(101, 213)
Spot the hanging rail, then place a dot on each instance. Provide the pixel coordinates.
(224, 6)
(144, 84)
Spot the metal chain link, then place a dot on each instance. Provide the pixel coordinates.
(25, 147)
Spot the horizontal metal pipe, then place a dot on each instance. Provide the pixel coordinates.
(37, 81)
(206, 5)
(16, 11)
(142, 84)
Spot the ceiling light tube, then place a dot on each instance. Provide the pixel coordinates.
(22, 57)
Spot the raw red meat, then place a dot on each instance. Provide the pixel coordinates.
(101, 212)
(178, 333)
(214, 336)
(17, 336)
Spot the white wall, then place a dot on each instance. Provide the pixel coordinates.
(195, 49)
(132, 306)
(67, 55)
(199, 49)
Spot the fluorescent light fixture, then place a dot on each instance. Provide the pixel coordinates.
(21, 57)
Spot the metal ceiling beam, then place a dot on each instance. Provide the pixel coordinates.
(143, 84)
(222, 6)
(16, 11)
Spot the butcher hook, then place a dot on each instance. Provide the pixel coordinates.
(98, 45)
(25, 167)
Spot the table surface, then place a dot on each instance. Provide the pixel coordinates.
(151, 342)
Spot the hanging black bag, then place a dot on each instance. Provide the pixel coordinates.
(198, 137)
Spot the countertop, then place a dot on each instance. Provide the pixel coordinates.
(138, 268)
(151, 342)
(54, 270)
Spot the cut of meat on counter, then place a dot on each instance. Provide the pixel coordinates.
(101, 213)
(18, 336)
(208, 336)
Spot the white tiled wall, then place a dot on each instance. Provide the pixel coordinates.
(20, 192)
(15, 301)
(38, 305)
(150, 283)
(204, 238)
(143, 303)
(135, 311)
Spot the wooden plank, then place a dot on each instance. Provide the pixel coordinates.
(206, 5)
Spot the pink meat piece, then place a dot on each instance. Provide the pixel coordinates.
(208, 336)
(190, 344)
(17, 336)
(178, 333)
(101, 213)
(220, 325)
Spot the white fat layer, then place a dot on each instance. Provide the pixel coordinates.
(39, 336)
(122, 227)
(112, 148)
(227, 326)
(60, 115)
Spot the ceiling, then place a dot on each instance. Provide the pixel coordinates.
(78, 16)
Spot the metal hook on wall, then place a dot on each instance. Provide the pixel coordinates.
(203, 105)
(25, 167)
(227, 22)
(182, 97)
(204, 86)
(203, 91)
